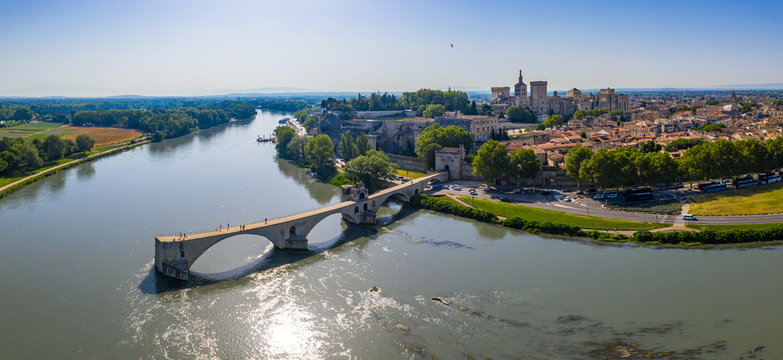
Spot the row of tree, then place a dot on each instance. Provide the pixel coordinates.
(492, 161)
(369, 166)
(166, 122)
(18, 156)
(418, 101)
(705, 160)
(21, 114)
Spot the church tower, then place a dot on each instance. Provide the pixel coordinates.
(520, 91)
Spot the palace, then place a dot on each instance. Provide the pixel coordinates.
(542, 104)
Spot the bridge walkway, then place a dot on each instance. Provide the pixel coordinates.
(336, 208)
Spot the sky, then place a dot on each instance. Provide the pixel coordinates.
(195, 47)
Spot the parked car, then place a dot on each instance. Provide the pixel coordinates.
(472, 192)
(436, 186)
(580, 192)
(611, 195)
(567, 199)
(688, 217)
(517, 191)
(599, 196)
(457, 187)
(486, 189)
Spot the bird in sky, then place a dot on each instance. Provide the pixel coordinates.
(452, 45)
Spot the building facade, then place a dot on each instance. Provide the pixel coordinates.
(543, 104)
(482, 127)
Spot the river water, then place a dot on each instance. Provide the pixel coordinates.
(77, 279)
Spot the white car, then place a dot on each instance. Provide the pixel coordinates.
(567, 199)
(688, 217)
(457, 187)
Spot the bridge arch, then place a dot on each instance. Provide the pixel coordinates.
(232, 256)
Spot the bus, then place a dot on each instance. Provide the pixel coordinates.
(769, 178)
(746, 181)
(640, 194)
(702, 185)
(714, 188)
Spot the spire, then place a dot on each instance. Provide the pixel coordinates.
(520, 75)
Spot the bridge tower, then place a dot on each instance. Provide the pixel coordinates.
(363, 214)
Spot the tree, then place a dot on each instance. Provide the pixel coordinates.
(319, 152)
(362, 144)
(576, 156)
(283, 134)
(373, 169)
(753, 156)
(435, 137)
(650, 147)
(520, 114)
(23, 114)
(713, 127)
(775, 151)
(310, 122)
(434, 110)
(471, 110)
(295, 148)
(84, 142)
(583, 135)
(682, 143)
(348, 148)
(28, 156)
(491, 161)
(523, 164)
(656, 167)
(53, 147)
(552, 121)
(302, 114)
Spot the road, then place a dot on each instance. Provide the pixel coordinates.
(588, 206)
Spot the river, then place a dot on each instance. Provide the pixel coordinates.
(77, 279)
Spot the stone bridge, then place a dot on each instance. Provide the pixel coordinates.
(175, 254)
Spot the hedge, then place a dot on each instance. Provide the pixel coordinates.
(711, 237)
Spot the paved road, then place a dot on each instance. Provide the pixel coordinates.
(587, 206)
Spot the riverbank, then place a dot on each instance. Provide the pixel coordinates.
(675, 238)
(5, 190)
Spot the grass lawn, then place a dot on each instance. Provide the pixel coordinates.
(531, 213)
(409, 173)
(671, 207)
(733, 227)
(764, 199)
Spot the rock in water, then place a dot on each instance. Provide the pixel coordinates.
(438, 298)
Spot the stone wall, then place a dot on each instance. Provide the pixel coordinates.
(407, 162)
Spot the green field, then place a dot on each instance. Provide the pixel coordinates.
(42, 135)
(531, 213)
(734, 227)
(32, 128)
(764, 199)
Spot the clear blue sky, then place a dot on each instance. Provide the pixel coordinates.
(168, 47)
